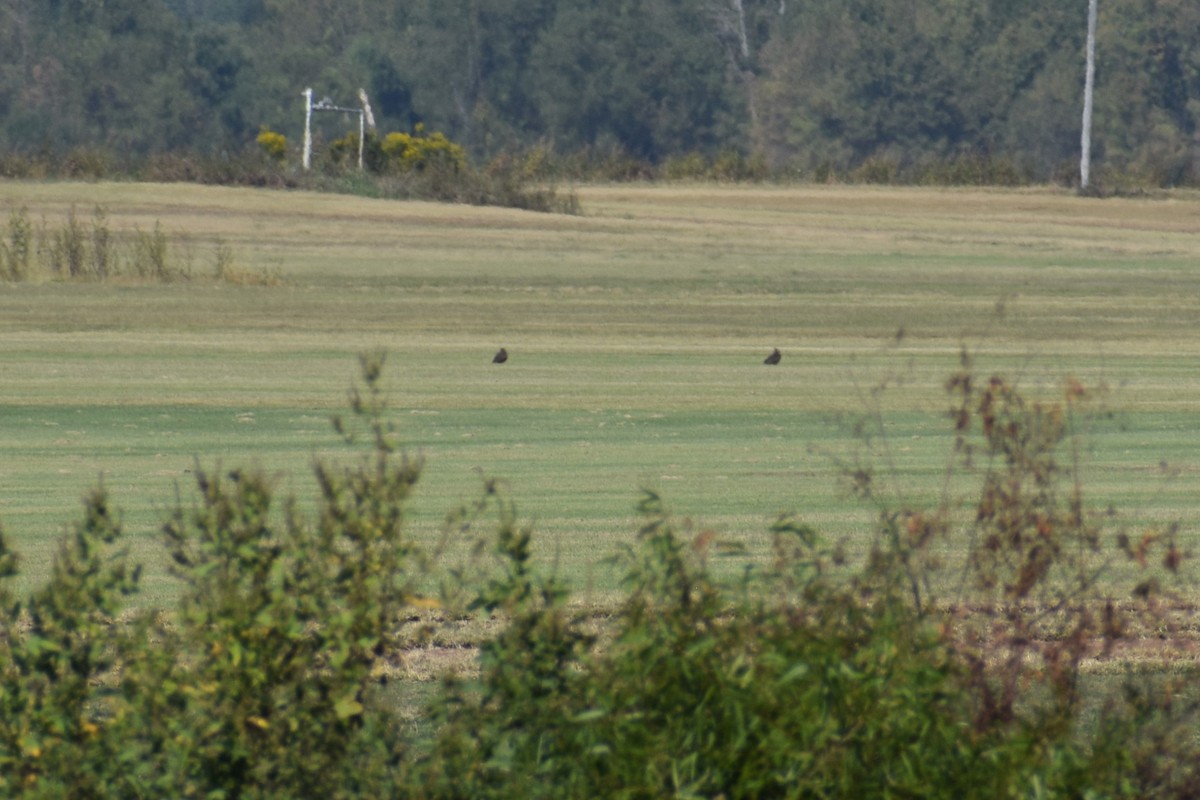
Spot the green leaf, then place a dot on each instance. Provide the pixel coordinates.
(591, 715)
(37, 645)
(794, 674)
(347, 707)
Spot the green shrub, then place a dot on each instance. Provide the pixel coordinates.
(151, 250)
(689, 166)
(86, 163)
(281, 623)
(16, 252)
(58, 658)
(876, 169)
(272, 144)
(430, 167)
(252, 168)
(260, 684)
(101, 244)
(67, 248)
(779, 684)
(419, 151)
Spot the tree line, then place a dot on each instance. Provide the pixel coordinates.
(806, 88)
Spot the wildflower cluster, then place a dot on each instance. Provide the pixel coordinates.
(418, 151)
(273, 144)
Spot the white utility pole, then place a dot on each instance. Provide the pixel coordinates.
(307, 128)
(1089, 83)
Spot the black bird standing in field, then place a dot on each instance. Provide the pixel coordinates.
(500, 357)
(774, 357)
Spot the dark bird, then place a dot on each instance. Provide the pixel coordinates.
(774, 357)
(500, 357)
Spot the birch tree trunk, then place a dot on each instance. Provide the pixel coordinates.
(741, 29)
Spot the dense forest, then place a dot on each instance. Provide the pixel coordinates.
(805, 87)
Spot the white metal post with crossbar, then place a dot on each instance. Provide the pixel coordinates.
(326, 104)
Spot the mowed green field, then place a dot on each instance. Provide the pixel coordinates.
(636, 332)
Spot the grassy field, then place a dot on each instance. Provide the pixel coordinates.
(636, 332)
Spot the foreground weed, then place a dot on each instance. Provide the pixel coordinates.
(789, 682)
(150, 251)
(260, 684)
(95, 252)
(779, 684)
(1036, 596)
(67, 248)
(102, 250)
(15, 253)
(226, 270)
(57, 654)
